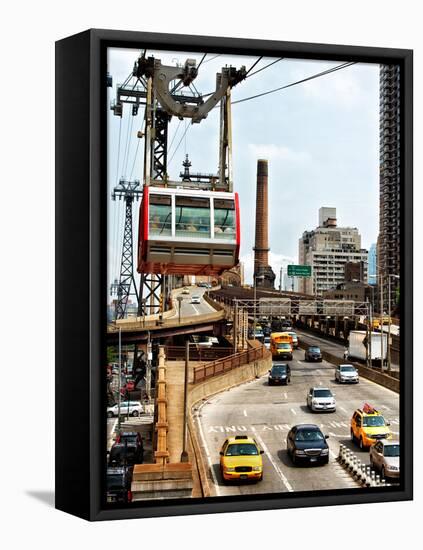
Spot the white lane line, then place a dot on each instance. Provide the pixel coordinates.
(245, 413)
(293, 411)
(276, 467)
(195, 309)
(344, 410)
(386, 408)
(285, 395)
(203, 439)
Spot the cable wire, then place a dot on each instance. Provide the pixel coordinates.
(253, 65)
(180, 141)
(265, 67)
(323, 73)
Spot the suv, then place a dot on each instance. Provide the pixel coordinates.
(125, 454)
(133, 439)
(118, 485)
(346, 373)
(280, 373)
(133, 408)
(313, 353)
(321, 399)
(368, 426)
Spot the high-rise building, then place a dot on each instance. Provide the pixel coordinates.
(372, 269)
(388, 252)
(327, 249)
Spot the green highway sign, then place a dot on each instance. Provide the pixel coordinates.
(299, 271)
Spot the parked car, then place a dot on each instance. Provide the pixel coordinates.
(195, 299)
(280, 373)
(321, 399)
(346, 373)
(133, 408)
(126, 453)
(385, 457)
(368, 426)
(118, 485)
(307, 443)
(313, 353)
(134, 439)
(240, 458)
(267, 342)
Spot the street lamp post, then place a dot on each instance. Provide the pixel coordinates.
(120, 375)
(184, 454)
(389, 320)
(179, 298)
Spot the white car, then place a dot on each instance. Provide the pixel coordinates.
(133, 408)
(321, 399)
(195, 299)
(346, 373)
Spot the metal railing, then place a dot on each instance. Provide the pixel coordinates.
(177, 353)
(221, 366)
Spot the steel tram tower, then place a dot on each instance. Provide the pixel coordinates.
(159, 88)
(128, 191)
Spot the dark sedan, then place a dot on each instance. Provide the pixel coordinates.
(307, 443)
(118, 485)
(125, 454)
(313, 353)
(280, 373)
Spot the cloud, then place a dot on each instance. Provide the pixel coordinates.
(275, 260)
(278, 152)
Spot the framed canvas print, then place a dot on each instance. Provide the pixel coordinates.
(233, 274)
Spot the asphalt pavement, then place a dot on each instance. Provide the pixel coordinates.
(268, 412)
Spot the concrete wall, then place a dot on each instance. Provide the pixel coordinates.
(233, 378)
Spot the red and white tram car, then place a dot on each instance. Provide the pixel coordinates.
(188, 232)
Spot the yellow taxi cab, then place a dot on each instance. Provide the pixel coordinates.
(240, 458)
(368, 426)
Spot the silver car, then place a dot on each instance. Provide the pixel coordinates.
(321, 399)
(346, 374)
(384, 457)
(133, 408)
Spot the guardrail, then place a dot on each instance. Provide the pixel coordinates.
(221, 366)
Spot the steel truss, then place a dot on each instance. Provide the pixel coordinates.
(128, 191)
(277, 307)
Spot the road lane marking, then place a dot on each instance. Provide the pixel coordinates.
(276, 467)
(285, 395)
(293, 411)
(203, 439)
(386, 408)
(245, 413)
(344, 410)
(195, 309)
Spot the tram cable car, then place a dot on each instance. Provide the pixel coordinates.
(188, 232)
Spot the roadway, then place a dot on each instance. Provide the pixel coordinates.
(187, 308)
(268, 412)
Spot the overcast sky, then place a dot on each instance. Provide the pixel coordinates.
(321, 139)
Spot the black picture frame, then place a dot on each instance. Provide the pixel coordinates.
(81, 193)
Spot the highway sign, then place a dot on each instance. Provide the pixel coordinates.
(299, 271)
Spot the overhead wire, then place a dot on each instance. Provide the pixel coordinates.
(323, 73)
(265, 67)
(202, 59)
(253, 65)
(179, 143)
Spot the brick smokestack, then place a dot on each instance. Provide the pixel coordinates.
(262, 268)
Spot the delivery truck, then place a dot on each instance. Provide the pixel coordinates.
(360, 341)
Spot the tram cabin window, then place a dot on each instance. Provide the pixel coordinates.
(192, 217)
(160, 215)
(224, 219)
